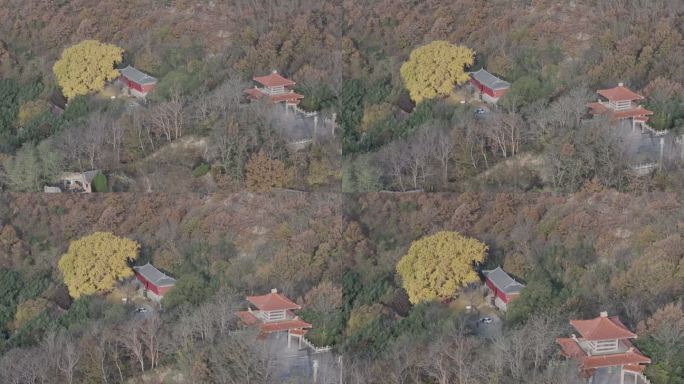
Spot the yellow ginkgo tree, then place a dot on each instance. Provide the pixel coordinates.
(86, 67)
(435, 266)
(433, 69)
(94, 263)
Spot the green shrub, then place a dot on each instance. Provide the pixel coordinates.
(100, 183)
(77, 108)
(191, 288)
(201, 170)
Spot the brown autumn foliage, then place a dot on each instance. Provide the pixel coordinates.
(618, 248)
(264, 174)
(304, 243)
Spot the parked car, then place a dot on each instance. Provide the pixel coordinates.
(140, 310)
(480, 111)
(486, 320)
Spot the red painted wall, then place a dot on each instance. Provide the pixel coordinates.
(159, 291)
(163, 290)
(140, 88)
(493, 93)
(500, 92)
(148, 88)
(148, 286)
(497, 292)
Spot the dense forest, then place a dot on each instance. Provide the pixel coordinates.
(595, 250)
(209, 188)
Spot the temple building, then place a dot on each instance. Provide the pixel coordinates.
(604, 351)
(620, 103)
(273, 313)
(502, 287)
(154, 282)
(490, 87)
(137, 83)
(274, 88)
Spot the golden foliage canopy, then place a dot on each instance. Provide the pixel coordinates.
(435, 266)
(86, 67)
(263, 174)
(433, 69)
(94, 263)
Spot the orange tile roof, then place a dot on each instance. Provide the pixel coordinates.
(637, 112)
(633, 112)
(602, 328)
(273, 301)
(288, 96)
(274, 80)
(286, 325)
(254, 93)
(596, 108)
(570, 348)
(631, 357)
(247, 317)
(619, 93)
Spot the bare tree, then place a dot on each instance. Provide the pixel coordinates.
(225, 100)
(238, 359)
(472, 143)
(115, 138)
(96, 342)
(452, 359)
(24, 366)
(231, 147)
(51, 345)
(142, 128)
(69, 356)
(167, 118)
(403, 362)
(149, 335)
(224, 317)
(444, 151)
(505, 133)
(524, 353)
(93, 136)
(576, 103)
(132, 343)
(394, 159)
(114, 345)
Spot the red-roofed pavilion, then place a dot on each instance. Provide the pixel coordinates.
(602, 328)
(604, 348)
(273, 313)
(274, 79)
(620, 103)
(272, 302)
(274, 87)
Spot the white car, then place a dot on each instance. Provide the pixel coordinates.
(480, 111)
(487, 320)
(141, 310)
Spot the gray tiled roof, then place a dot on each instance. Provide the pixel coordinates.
(489, 80)
(155, 276)
(503, 281)
(137, 76)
